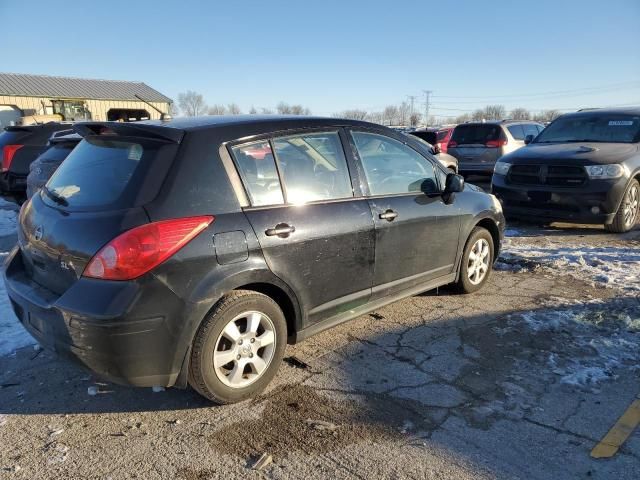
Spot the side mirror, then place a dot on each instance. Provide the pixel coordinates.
(453, 184)
(528, 139)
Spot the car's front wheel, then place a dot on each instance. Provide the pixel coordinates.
(477, 261)
(238, 347)
(628, 211)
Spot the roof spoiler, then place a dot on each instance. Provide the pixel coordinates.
(129, 129)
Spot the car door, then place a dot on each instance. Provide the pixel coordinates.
(314, 233)
(416, 233)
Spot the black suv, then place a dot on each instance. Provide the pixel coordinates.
(584, 167)
(19, 146)
(192, 250)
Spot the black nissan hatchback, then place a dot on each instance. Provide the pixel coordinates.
(192, 250)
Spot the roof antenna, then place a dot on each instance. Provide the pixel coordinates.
(163, 116)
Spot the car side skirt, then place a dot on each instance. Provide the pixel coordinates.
(369, 307)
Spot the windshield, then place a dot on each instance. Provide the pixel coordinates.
(615, 128)
(105, 173)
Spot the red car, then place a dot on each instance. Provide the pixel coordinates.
(442, 139)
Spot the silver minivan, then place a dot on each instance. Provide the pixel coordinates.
(478, 146)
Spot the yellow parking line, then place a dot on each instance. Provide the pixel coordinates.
(619, 433)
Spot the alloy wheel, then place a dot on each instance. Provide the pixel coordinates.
(631, 205)
(244, 349)
(478, 263)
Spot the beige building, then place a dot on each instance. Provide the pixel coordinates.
(24, 95)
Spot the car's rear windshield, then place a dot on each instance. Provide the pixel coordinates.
(429, 137)
(442, 134)
(614, 128)
(476, 134)
(57, 152)
(108, 173)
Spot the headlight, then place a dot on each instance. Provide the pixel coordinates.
(605, 171)
(501, 168)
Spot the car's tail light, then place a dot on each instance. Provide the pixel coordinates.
(495, 143)
(136, 251)
(8, 152)
(452, 144)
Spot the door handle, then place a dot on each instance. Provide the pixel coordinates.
(388, 215)
(281, 230)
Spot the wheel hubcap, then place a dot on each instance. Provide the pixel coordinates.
(244, 349)
(631, 205)
(478, 263)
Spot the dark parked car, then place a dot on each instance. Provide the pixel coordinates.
(584, 167)
(194, 249)
(20, 146)
(478, 146)
(60, 146)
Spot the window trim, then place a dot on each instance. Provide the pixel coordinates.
(367, 193)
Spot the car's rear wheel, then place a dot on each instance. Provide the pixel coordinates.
(238, 347)
(628, 211)
(477, 261)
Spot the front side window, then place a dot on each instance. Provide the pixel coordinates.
(313, 167)
(392, 167)
(258, 171)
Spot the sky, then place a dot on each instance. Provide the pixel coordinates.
(335, 55)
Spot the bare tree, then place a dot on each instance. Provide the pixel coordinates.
(478, 115)
(390, 115)
(466, 117)
(192, 103)
(174, 111)
(283, 108)
(415, 119)
(266, 111)
(547, 116)
(253, 110)
(217, 110)
(354, 114)
(520, 114)
(494, 112)
(233, 109)
(376, 117)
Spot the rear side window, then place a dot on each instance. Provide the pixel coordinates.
(105, 173)
(475, 134)
(313, 167)
(516, 131)
(258, 171)
(442, 135)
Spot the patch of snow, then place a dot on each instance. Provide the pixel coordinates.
(611, 266)
(12, 333)
(599, 338)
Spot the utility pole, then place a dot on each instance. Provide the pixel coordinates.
(427, 98)
(413, 99)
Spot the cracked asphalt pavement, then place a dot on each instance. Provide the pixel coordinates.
(440, 385)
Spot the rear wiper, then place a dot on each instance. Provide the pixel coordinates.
(55, 197)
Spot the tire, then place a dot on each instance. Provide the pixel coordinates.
(628, 211)
(243, 376)
(470, 283)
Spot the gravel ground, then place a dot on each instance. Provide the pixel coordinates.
(519, 380)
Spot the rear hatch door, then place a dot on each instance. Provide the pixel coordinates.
(471, 143)
(97, 193)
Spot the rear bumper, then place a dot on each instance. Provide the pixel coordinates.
(576, 205)
(126, 332)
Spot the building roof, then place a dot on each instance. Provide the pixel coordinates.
(24, 85)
